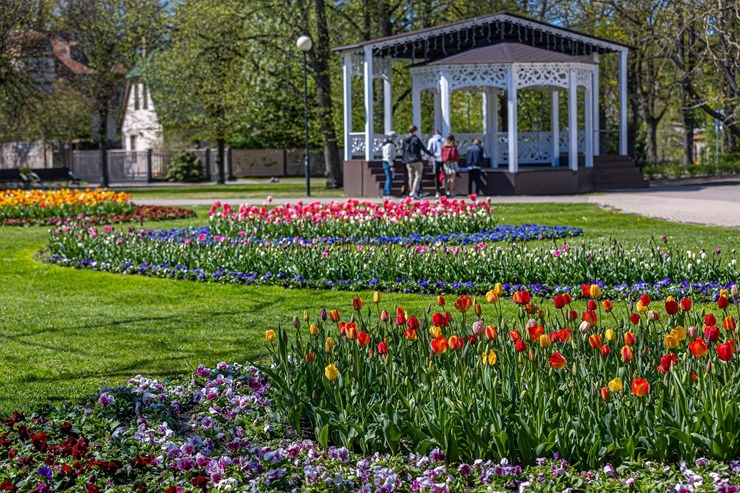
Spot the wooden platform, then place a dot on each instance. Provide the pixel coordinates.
(366, 179)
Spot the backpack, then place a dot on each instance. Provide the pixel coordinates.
(450, 154)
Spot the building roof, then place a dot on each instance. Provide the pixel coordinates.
(449, 39)
(506, 52)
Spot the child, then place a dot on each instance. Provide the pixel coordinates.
(450, 157)
(389, 157)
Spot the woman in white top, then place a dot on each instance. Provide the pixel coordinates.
(389, 156)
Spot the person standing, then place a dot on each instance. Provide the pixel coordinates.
(474, 161)
(450, 158)
(389, 158)
(435, 146)
(412, 149)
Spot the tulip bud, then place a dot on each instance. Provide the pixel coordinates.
(531, 355)
(531, 323)
(329, 344)
(429, 308)
(498, 289)
(610, 335)
(305, 315)
(296, 323)
(441, 301)
(376, 297)
(693, 333)
(478, 327)
(323, 314)
(385, 316)
(605, 351)
(584, 327)
(605, 394)
(313, 329)
(735, 291)
(370, 353)
(477, 309)
(653, 315)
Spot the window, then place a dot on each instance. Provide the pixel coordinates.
(136, 96)
(145, 97)
(132, 143)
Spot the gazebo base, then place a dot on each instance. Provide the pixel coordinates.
(366, 179)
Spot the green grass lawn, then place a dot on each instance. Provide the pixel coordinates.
(66, 333)
(259, 189)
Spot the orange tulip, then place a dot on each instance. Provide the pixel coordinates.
(698, 348)
(514, 335)
(410, 334)
(535, 332)
(640, 387)
(351, 331)
(456, 343)
(334, 316)
(607, 305)
(491, 333)
(463, 303)
(595, 341)
(729, 323)
(439, 345)
(363, 339)
(627, 353)
(357, 303)
(630, 339)
(557, 361)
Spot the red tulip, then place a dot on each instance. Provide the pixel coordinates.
(725, 351)
(334, 316)
(630, 339)
(671, 307)
(567, 298)
(605, 350)
(723, 302)
(645, 300)
(439, 345)
(605, 394)
(491, 333)
(686, 304)
(709, 319)
(441, 301)
(559, 301)
(439, 319)
(572, 315)
(410, 334)
(693, 376)
(607, 306)
(412, 323)
(591, 305)
(521, 297)
(729, 323)
(698, 348)
(555, 336)
(557, 361)
(463, 303)
(586, 290)
(456, 343)
(400, 316)
(471, 338)
(640, 387)
(363, 339)
(520, 346)
(635, 318)
(357, 303)
(382, 348)
(711, 332)
(385, 316)
(590, 317)
(595, 341)
(309, 357)
(515, 335)
(667, 361)
(627, 353)
(351, 331)
(565, 334)
(535, 332)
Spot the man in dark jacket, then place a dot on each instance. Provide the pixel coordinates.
(474, 161)
(412, 149)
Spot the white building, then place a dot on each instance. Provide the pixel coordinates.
(140, 127)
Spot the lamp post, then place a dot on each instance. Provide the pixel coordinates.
(305, 44)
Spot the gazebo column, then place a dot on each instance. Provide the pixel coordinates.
(416, 107)
(369, 130)
(490, 123)
(595, 103)
(572, 122)
(444, 89)
(347, 91)
(388, 101)
(623, 103)
(437, 110)
(555, 126)
(589, 130)
(511, 109)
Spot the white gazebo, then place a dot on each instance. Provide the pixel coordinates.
(499, 55)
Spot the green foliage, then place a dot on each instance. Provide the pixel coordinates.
(729, 164)
(185, 166)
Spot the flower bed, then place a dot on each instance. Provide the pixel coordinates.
(410, 267)
(55, 207)
(353, 218)
(44, 204)
(595, 383)
(215, 431)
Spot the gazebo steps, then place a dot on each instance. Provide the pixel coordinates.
(617, 172)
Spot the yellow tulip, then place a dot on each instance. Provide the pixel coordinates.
(435, 331)
(489, 358)
(670, 298)
(492, 296)
(640, 307)
(545, 341)
(595, 291)
(680, 333)
(270, 335)
(376, 297)
(305, 315)
(615, 385)
(498, 289)
(313, 329)
(329, 344)
(671, 341)
(610, 335)
(331, 372)
(725, 293)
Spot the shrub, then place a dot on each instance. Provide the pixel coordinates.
(185, 166)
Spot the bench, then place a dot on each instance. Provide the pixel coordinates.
(44, 175)
(14, 177)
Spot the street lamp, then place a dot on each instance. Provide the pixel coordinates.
(305, 44)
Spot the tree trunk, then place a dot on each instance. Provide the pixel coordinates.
(103, 143)
(687, 117)
(220, 155)
(651, 138)
(320, 64)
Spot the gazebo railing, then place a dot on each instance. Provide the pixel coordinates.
(534, 147)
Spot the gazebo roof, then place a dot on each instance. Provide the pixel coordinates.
(456, 37)
(503, 52)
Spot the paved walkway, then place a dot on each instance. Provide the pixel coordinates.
(716, 204)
